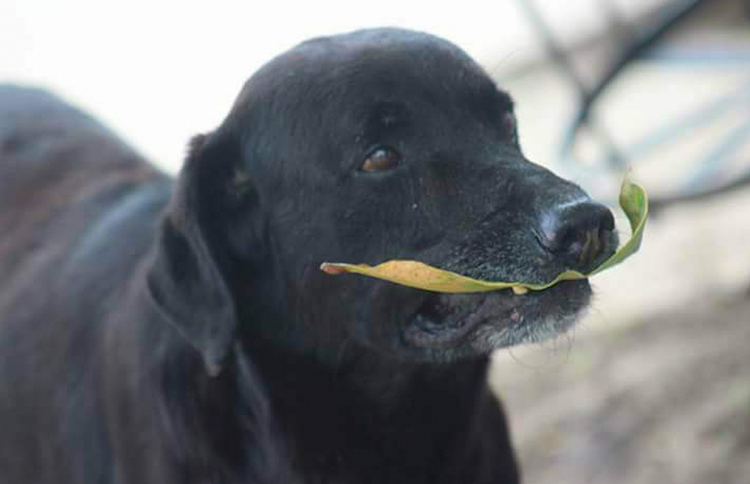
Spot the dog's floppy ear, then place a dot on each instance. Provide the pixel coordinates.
(186, 281)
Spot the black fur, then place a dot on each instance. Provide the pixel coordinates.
(159, 331)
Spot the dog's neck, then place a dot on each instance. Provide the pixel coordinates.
(376, 412)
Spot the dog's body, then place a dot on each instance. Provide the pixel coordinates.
(159, 332)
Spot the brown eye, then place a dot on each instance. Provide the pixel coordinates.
(381, 159)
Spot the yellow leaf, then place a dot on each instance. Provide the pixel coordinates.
(633, 200)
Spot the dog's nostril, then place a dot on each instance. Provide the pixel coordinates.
(580, 231)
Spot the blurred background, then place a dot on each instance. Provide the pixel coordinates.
(654, 385)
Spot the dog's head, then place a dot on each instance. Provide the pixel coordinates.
(376, 145)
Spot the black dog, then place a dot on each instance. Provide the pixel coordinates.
(161, 332)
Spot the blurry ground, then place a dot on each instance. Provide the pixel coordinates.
(654, 385)
(663, 400)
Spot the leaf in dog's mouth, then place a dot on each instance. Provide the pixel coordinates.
(633, 201)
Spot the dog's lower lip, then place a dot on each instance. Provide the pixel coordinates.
(449, 320)
(424, 330)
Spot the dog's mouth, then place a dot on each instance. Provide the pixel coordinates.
(445, 319)
(486, 321)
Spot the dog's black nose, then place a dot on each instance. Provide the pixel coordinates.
(578, 231)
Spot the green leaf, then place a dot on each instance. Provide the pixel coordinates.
(634, 203)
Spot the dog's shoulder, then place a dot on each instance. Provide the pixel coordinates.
(33, 120)
(58, 167)
(46, 144)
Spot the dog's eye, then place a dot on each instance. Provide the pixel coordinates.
(381, 159)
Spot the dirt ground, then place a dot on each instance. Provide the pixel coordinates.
(664, 400)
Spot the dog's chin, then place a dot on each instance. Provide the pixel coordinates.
(449, 327)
